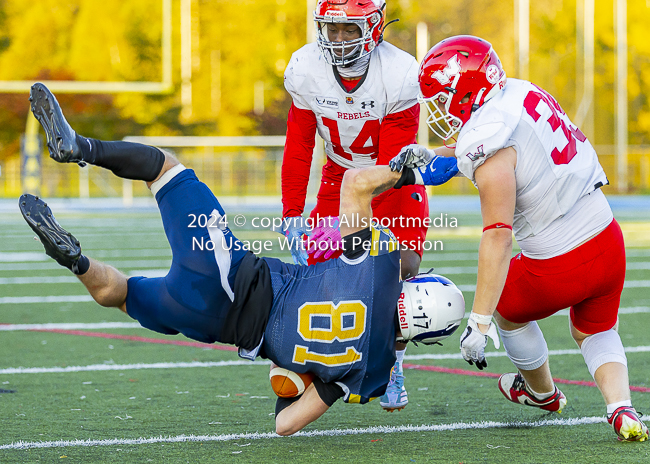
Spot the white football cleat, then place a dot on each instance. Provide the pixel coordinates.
(627, 425)
(513, 387)
(395, 397)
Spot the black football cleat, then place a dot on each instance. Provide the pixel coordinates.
(59, 244)
(61, 138)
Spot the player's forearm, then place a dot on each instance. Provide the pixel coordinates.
(365, 184)
(359, 187)
(494, 255)
(445, 151)
(301, 413)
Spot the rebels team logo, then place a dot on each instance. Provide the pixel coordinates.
(479, 153)
(492, 74)
(451, 70)
(328, 102)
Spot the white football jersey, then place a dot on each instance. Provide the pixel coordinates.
(556, 164)
(349, 122)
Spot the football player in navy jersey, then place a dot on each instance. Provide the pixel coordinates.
(359, 92)
(338, 319)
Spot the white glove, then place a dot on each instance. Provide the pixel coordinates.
(473, 342)
(411, 156)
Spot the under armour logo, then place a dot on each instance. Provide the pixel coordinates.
(452, 69)
(371, 104)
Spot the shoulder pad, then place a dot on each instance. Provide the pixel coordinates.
(299, 71)
(399, 72)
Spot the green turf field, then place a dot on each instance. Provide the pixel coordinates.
(115, 397)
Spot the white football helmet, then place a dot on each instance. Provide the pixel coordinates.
(429, 309)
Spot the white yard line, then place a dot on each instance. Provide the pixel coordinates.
(502, 354)
(45, 299)
(38, 280)
(17, 257)
(22, 445)
(156, 271)
(70, 326)
(72, 279)
(135, 325)
(628, 284)
(195, 364)
(127, 367)
(46, 266)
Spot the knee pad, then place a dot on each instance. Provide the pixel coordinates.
(525, 346)
(602, 348)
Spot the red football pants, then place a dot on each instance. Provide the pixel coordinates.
(588, 279)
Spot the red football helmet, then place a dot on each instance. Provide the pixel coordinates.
(368, 15)
(456, 68)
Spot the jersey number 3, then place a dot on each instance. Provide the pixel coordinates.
(325, 323)
(558, 119)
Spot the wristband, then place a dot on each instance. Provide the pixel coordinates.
(407, 178)
(497, 225)
(480, 318)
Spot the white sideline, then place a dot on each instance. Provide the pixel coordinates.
(21, 445)
(136, 325)
(71, 326)
(78, 298)
(156, 273)
(502, 354)
(126, 367)
(186, 365)
(45, 299)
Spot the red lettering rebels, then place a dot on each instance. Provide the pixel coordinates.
(349, 116)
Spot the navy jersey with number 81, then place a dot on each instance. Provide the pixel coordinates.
(337, 319)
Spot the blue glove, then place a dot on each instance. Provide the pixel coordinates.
(438, 171)
(294, 228)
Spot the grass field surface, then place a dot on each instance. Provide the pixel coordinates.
(86, 384)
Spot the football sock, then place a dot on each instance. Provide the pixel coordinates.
(400, 357)
(81, 266)
(614, 406)
(540, 396)
(126, 159)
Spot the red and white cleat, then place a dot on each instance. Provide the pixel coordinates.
(513, 387)
(627, 425)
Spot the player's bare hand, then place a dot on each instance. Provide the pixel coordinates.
(411, 156)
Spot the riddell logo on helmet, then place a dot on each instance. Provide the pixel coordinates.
(336, 14)
(492, 74)
(401, 311)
